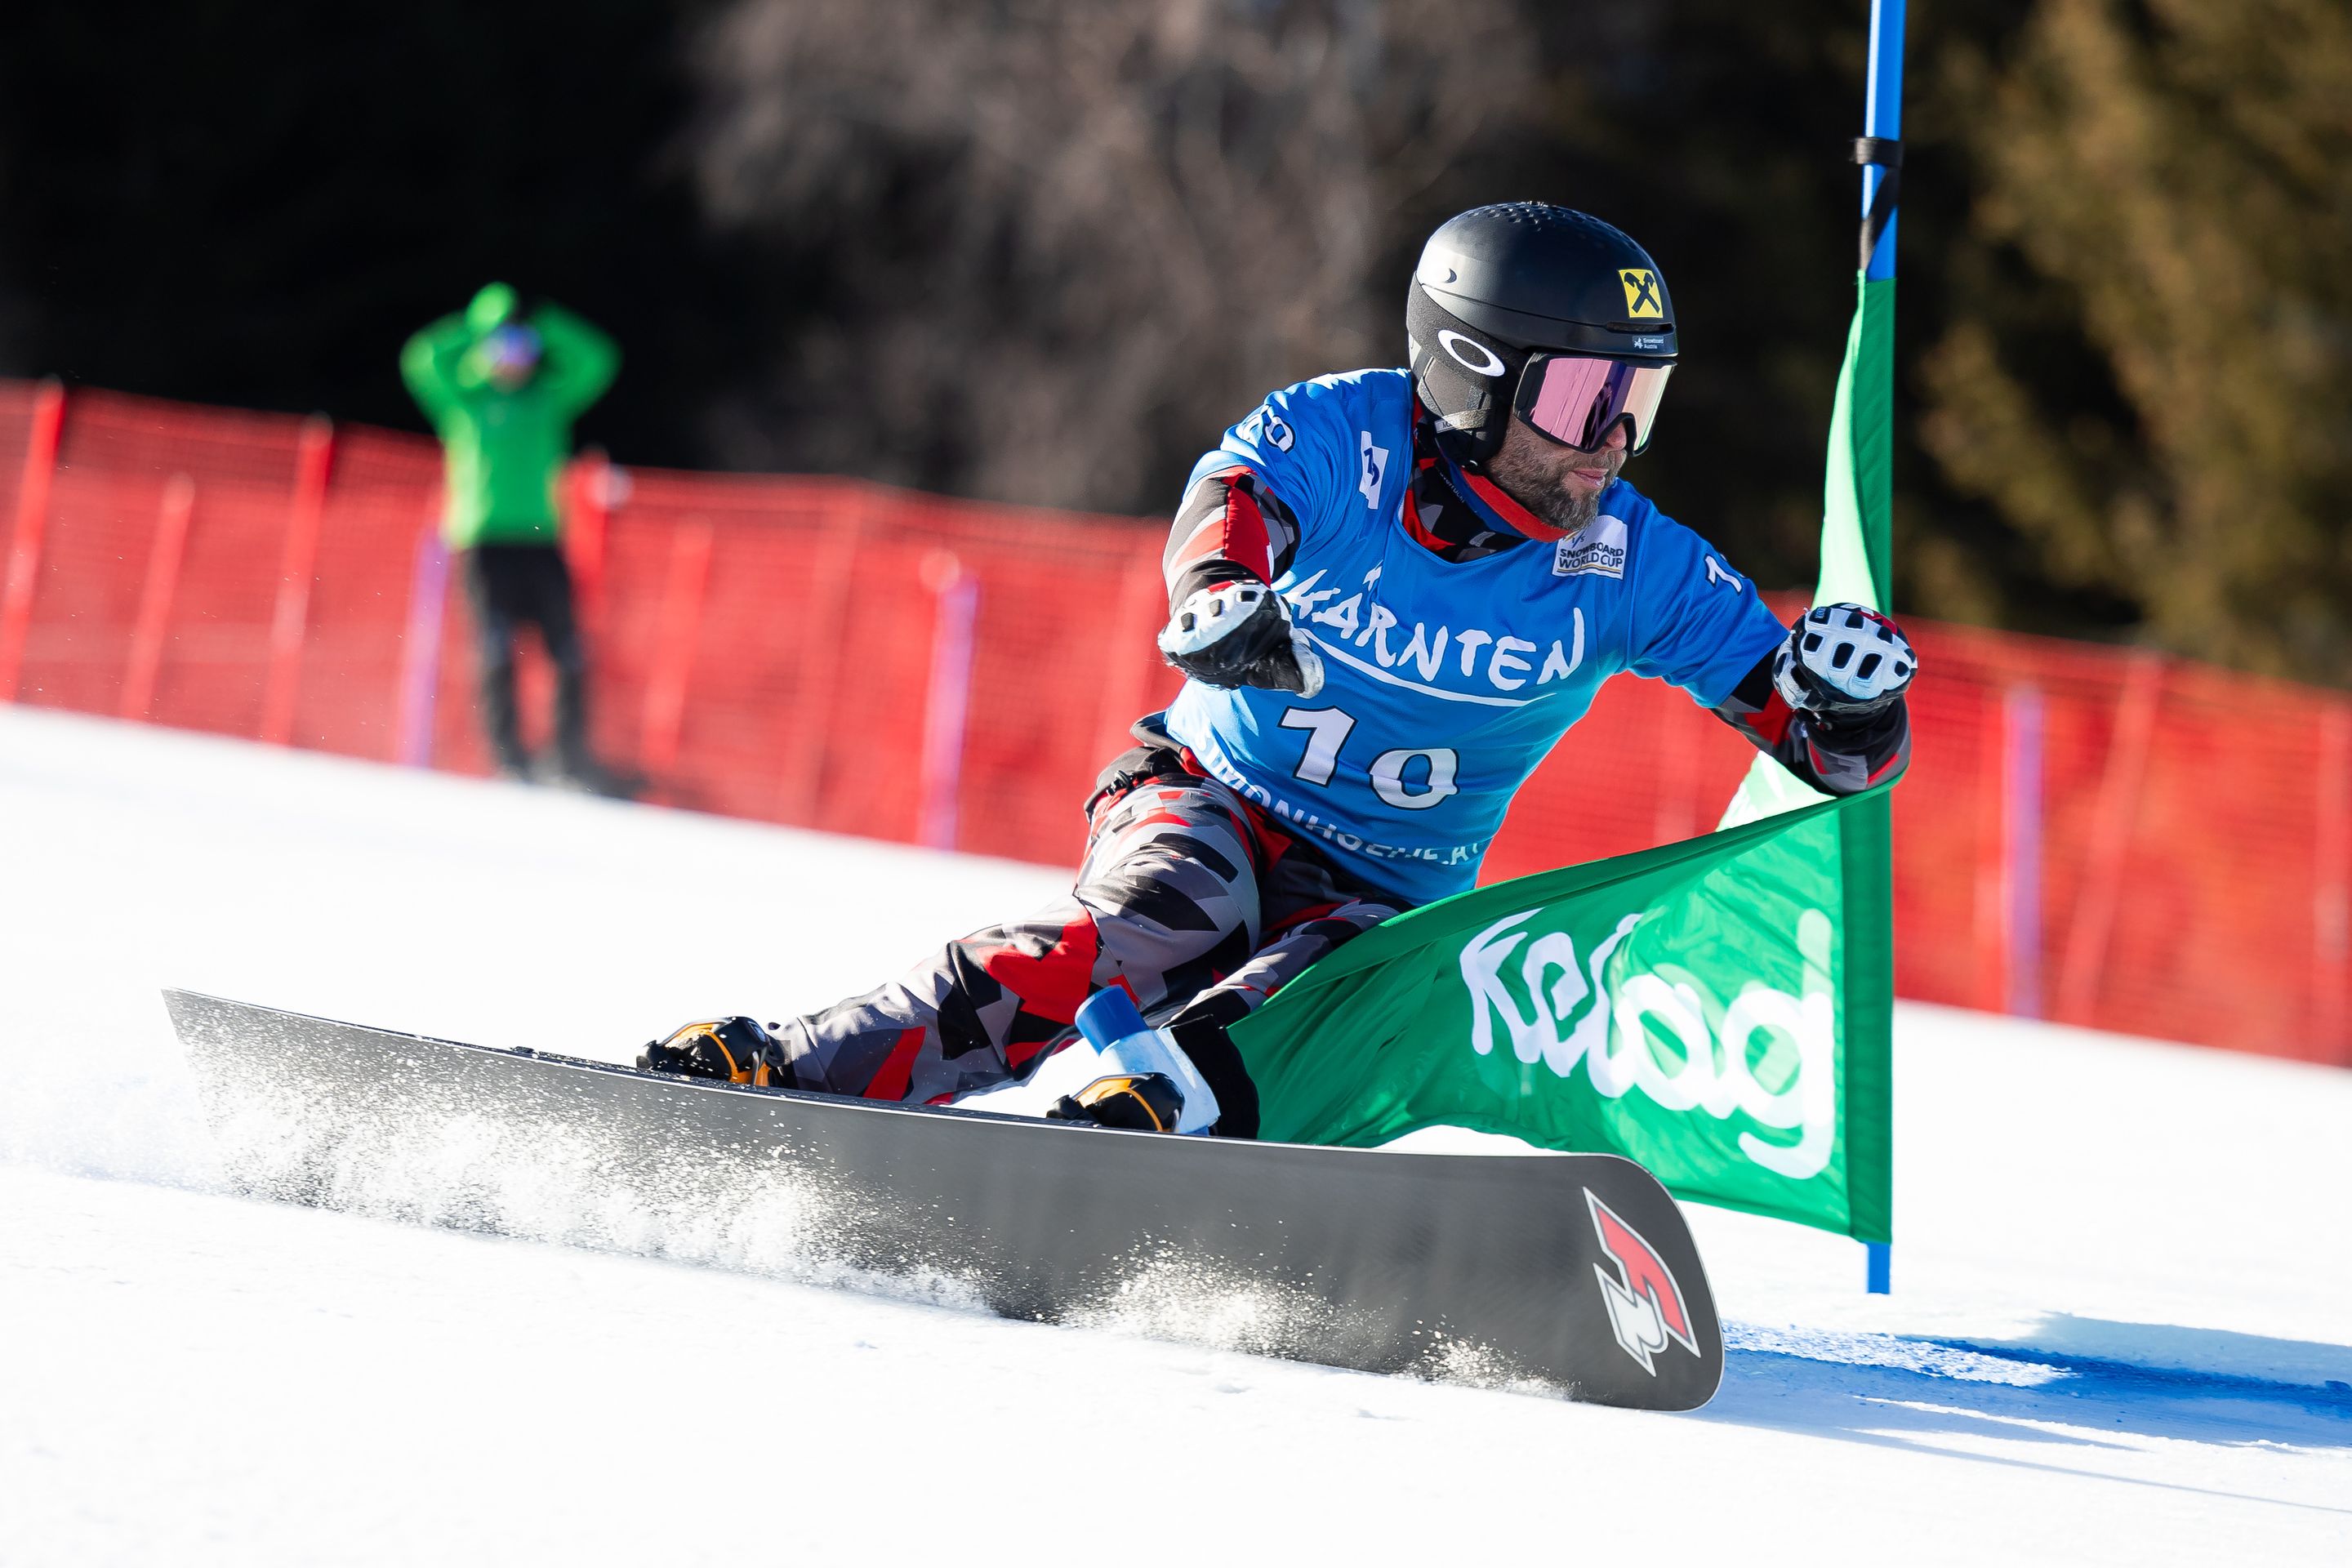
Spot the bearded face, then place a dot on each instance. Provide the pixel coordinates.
(1560, 484)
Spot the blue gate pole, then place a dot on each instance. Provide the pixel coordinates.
(1883, 118)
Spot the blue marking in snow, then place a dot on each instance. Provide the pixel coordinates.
(2030, 1366)
(2331, 1397)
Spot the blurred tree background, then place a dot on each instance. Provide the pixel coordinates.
(1042, 250)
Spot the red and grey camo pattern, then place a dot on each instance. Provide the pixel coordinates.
(1189, 898)
(1232, 528)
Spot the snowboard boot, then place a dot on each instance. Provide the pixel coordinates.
(1199, 1029)
(1143, 1102)
(736, 1050)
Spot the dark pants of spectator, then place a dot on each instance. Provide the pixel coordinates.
(511, 586)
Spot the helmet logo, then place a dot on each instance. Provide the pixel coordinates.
(1640, 287)
(1489, 364)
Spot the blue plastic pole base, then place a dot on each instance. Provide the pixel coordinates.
(1109, 1016)
(1880, 1262)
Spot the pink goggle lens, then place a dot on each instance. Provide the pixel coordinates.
(1575, 399)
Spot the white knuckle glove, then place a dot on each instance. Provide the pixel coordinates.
(1843, 661)
(1239, 634)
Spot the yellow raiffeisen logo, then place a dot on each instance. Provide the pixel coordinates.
(1642, 293)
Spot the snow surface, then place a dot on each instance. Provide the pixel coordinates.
(2122, 1330)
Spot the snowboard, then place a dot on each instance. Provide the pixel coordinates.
(1570, 1273)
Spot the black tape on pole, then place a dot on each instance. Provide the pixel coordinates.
(1887, 152)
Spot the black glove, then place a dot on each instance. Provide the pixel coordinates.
(1843, 663)
(735, 1050)
(1239, 634)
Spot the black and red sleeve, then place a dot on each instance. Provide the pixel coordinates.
(1834, 757)
(1232, 528)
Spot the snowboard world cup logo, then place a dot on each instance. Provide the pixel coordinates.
(1645, 1305)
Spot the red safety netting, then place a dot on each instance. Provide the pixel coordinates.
(2098, 836)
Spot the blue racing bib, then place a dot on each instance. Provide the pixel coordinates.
(1445, 683)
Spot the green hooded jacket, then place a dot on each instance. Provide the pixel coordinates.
(503, 450)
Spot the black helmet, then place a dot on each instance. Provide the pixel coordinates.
(1501, 283)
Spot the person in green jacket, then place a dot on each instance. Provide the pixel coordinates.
(502, 391)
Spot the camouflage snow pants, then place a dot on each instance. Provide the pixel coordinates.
(1189, 898)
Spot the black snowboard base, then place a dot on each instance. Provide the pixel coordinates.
(1574, 1273)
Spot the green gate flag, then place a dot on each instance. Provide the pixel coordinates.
(1685, 1006)
(1718, 1009)
(1856, 538)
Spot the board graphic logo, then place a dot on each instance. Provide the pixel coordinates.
(1641, 294)
(1645, 1305)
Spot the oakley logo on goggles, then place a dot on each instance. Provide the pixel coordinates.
(1575, 399)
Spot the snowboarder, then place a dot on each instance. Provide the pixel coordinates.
(1391, 592)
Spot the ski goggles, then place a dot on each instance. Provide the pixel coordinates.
(1575, 399)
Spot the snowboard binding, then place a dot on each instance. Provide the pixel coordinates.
(734, 1050)
(1143, 1102)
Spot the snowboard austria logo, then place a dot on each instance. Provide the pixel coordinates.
(1765, 1056)
(1645, 1305)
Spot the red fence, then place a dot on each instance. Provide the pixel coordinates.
(2105, 838)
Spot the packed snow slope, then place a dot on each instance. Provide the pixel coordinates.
(2121, 1332)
